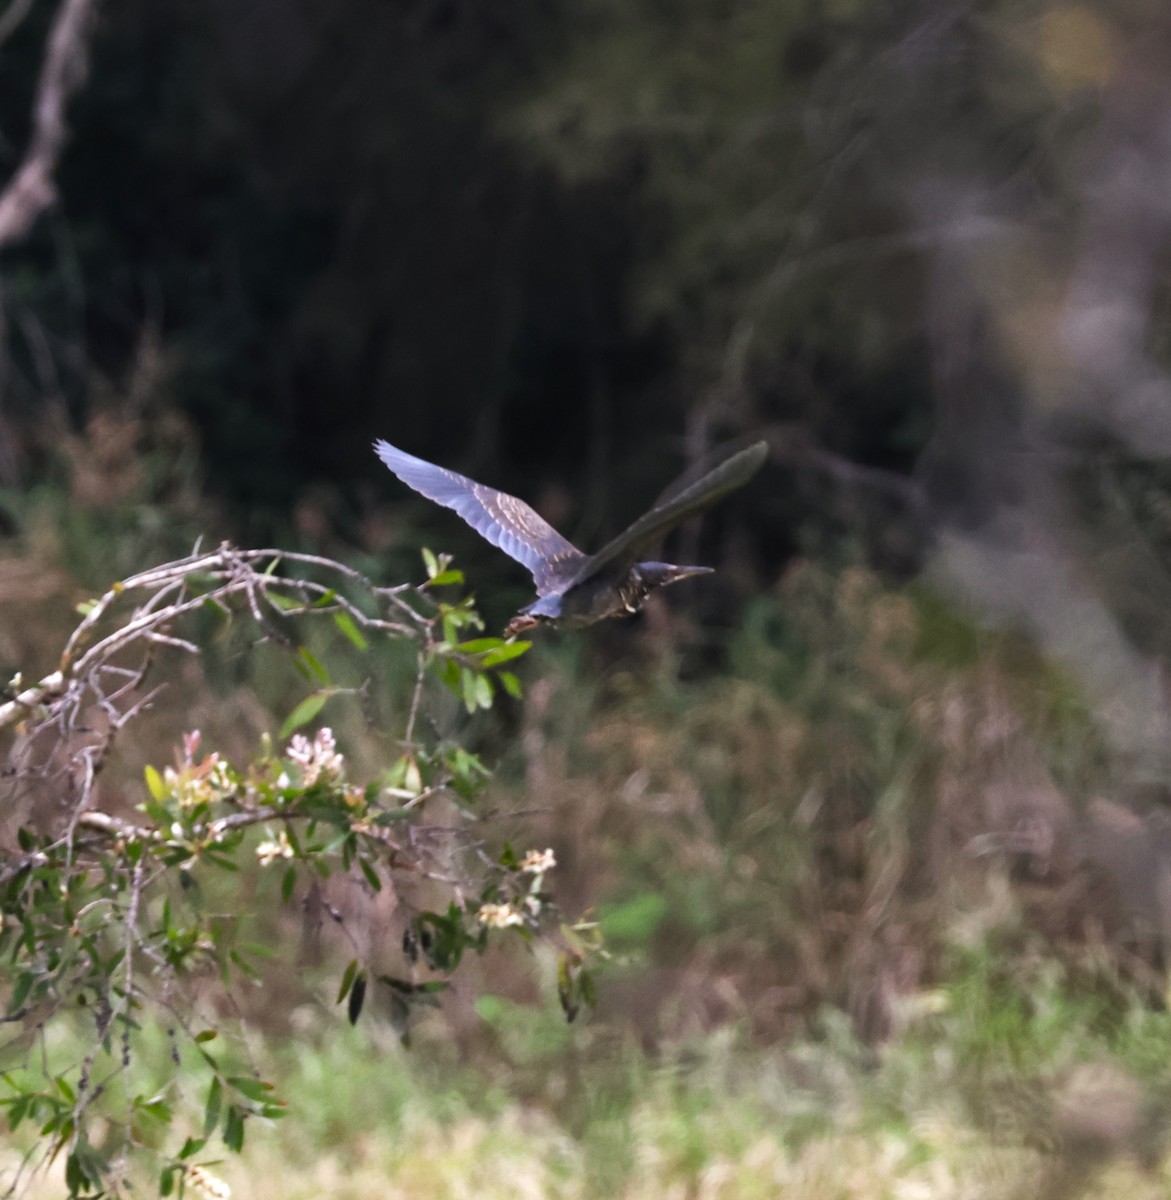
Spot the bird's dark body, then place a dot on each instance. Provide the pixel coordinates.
(608, 595)
(574, 589)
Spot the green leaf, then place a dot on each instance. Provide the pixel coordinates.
(479, 645)
(431, 563)
(467, 680)
(74, 1176)
(305, 712)
(154, 784)
(219, 860)
(213, 1107)
(509, 682)
(234, 1129)
(449, 672)
(157, 811)
(85, 1169)
(346, 624)
(588, 992)
(58, 1123)
(206, 1035)
(282, 602)
(347, 981)
(18, 1109)
(446, 578)
(288, 880)
(567, 993)
(371, 874)
(505, 652)
(216, 607)
(357, 998)
(313, 663)
(475, 689)
(250, 1088)
(444, 941)
(155, 1107)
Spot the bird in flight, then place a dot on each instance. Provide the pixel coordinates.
(575, 589)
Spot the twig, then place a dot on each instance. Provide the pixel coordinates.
(420, 675)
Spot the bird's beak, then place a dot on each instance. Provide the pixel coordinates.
(677, 573)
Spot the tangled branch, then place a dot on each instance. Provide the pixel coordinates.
(96, 908)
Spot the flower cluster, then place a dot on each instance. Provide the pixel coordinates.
(318, 759)
(199, 781)
(524, 909)
(210, 1185)
(278, 847)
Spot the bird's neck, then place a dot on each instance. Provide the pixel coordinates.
(633, 590)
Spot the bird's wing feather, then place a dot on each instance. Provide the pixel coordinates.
(508, 523)
(732, 473)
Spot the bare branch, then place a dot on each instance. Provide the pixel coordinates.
(174, 589)
(31, 189)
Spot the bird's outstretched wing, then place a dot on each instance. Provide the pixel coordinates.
(732, 473)
(503, 520)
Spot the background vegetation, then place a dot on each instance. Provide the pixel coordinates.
(874, 823)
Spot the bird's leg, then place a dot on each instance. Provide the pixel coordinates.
(520, 624)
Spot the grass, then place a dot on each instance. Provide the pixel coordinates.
(591, 1115)
(1017, 1078)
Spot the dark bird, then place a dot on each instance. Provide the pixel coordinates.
(575, 589)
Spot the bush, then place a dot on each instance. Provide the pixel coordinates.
(130, 920)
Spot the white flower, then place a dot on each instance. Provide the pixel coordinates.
(537, 862)
(270, 851)
(499, 916)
